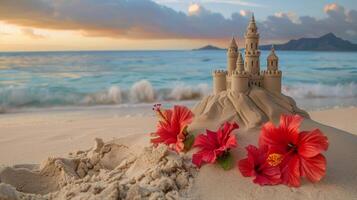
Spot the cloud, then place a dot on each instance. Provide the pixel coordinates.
(145, 19)
(31, 33)
(194, 9)
(232, 2)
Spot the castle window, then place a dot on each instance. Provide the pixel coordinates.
(256, 45)
(251, 45)
(252, 63)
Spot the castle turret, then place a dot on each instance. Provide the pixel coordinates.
(232, 55)
(240, 81)
(219, 81)
(272, 60)
(240, 62)
(272, 76)
(252, 53)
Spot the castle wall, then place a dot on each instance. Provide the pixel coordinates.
(240, 82)
(219, 81)
(272, 81)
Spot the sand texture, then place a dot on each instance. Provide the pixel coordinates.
(106, 171)
(129, 168)
(248, 109)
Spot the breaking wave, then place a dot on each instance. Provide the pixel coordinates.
(321, 90)
(140, 92)
(144, 92)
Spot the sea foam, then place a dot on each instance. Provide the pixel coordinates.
(143, 91)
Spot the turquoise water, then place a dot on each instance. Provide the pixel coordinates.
(58, 79)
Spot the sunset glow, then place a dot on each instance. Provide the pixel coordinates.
(34, 25)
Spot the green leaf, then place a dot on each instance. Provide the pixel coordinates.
(226, 161)
(189, 142)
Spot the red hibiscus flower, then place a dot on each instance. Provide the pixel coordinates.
(215, 145)
(301, 150)
(171, 128)
(262, 165)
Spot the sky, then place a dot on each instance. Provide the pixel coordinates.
(48, 25)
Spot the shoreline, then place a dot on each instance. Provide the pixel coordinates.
(132, 108)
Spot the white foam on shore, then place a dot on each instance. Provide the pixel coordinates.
(15, 98)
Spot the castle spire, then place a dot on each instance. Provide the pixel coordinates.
(233, 43)
(252, 27)
(240, 62)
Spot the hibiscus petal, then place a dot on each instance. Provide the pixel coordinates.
(246, 167)
(268, 176)
(312, 143)
(203, 156)
(225, 131)
(290, 171)
(231, 142)
(273, 138)
(203, 141)
(291, 122)
(213, 139)
(197, 159)
(181, 116)
(313, 168)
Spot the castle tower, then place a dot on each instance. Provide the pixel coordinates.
(252, 53)
(232, 55)
(240, 62)
(272, 76)
(272, 60)
(240, 81)
(219, 81)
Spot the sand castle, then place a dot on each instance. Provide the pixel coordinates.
(243, 93)
(243, 74)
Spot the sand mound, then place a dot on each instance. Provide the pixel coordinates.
(107, 171)
(248, 109)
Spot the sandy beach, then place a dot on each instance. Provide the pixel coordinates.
(30, 138)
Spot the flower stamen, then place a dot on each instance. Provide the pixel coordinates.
(274, 159)
(157, 109)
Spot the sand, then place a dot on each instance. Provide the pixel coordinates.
(129, 168)
(249, 109)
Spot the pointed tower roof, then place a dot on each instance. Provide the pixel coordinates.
(233, 43)
(240, 58)
(252, 25)
(272, 55)
(240, 62)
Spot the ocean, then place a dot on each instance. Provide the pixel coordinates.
(33, 80)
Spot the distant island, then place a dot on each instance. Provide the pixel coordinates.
(328, 42)
(208, 47)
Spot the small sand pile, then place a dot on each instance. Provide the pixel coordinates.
(107, 171)
(249, 109)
